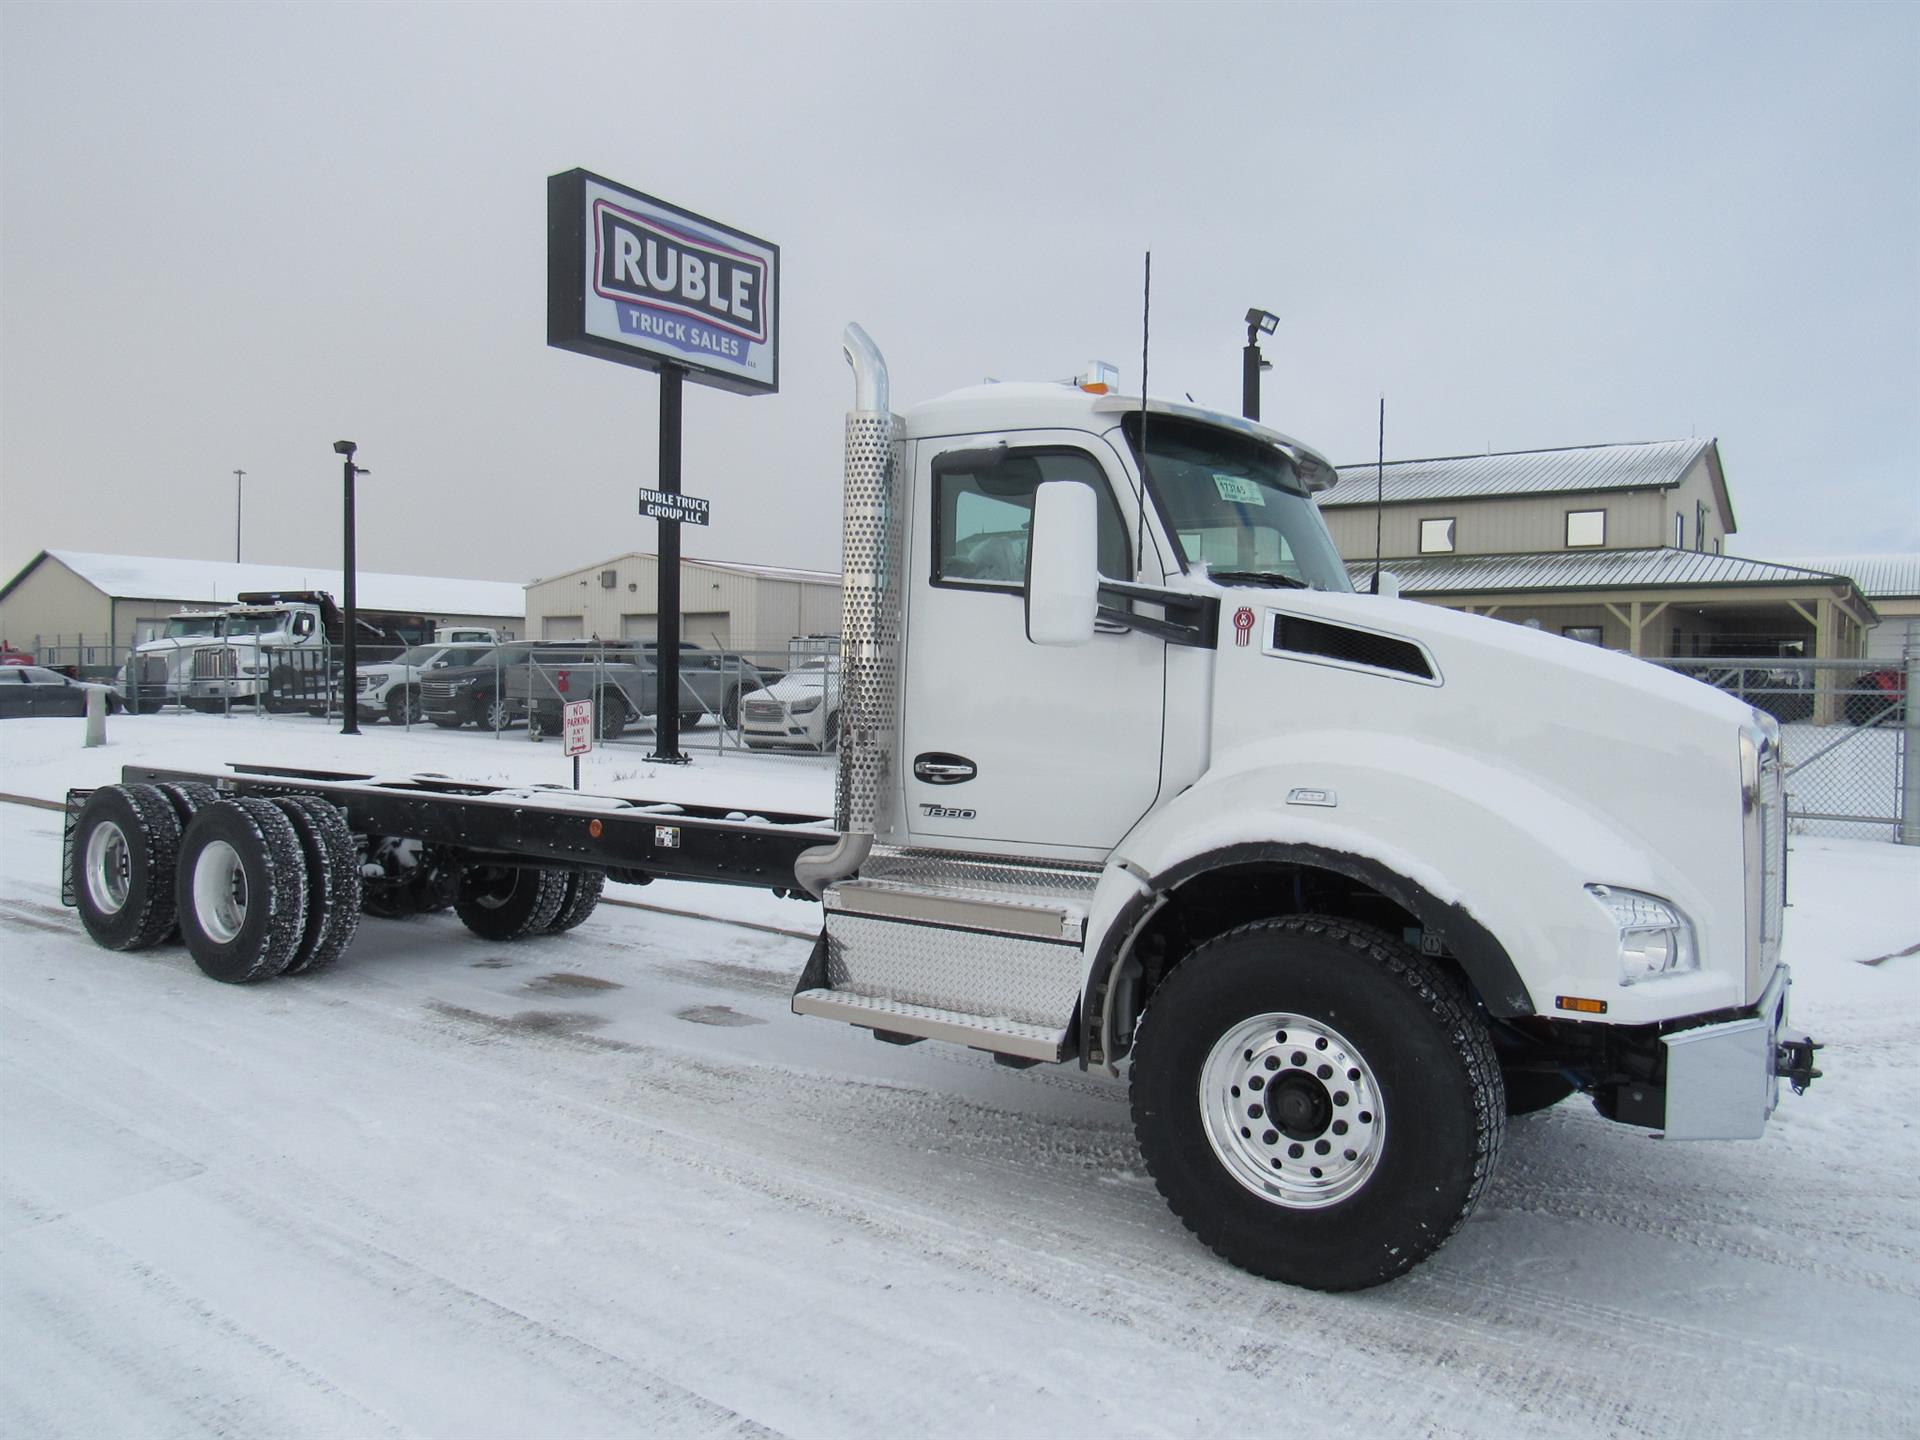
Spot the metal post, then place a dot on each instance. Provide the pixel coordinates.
(1250, 380)
(666, 720)
(1910, 754)
(350, 678)
(238, 475)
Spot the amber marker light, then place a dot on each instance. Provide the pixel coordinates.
(1580, 1004)
(594, 827)
(1100, 379)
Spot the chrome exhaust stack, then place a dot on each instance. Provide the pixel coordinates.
(870, 623)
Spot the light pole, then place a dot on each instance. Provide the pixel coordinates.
(1252, 362)
(349, 679)
(238, 475)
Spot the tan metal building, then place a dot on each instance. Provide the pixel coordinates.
(91, 608)
(1619, 545)
(1892, 583)
(723, 604)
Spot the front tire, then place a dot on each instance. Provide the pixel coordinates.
(403, 707)
(1316, 1102)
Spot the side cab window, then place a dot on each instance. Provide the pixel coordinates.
(983, 514)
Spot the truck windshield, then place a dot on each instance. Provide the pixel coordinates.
(182, 626)
(258, 622)
(1235, 506)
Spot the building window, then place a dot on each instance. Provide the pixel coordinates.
(1436, 537)
(1679, 530)
(1586, 529)
(1586, 634)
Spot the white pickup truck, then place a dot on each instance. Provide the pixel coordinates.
(1130, 778)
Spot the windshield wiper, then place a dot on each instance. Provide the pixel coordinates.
(1268, 578)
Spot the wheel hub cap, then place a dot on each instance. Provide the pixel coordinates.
(109, 868)
(220, 892)
(1292, 1110)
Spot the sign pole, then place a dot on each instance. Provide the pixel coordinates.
(666, 719)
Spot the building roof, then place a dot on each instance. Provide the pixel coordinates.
(1880, 577)
(219, 582)
(1656, 465)
(1429, 575)
(759, 572)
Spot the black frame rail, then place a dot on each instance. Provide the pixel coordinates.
(666, 840)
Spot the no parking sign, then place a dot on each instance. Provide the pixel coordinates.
(576, 726)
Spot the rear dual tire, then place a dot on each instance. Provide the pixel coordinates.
(510, 902)
(126, 842)
(241, 890)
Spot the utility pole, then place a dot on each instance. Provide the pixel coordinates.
(350, 679)
(238, 475)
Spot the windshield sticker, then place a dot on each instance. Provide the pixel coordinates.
(1238, 490)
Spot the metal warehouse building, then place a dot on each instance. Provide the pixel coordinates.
(89, 608)
(724, 605)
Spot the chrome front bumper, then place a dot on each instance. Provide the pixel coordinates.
(1723, 1080)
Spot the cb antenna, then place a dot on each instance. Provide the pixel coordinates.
(1140, 522)
(1379, 491)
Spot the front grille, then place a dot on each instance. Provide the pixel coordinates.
(214, 663)
(760, 710)
(435, 690)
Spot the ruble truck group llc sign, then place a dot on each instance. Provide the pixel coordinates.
(636, 280)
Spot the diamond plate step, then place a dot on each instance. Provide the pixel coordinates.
(996, 1033)
(970, 893)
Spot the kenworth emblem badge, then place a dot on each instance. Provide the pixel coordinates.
(1242, 625)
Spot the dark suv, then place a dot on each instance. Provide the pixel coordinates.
(623, 681)
(487, 692)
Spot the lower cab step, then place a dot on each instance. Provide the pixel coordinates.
(975, 954)
(899, 1017)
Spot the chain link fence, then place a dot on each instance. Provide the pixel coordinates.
(773, 701)
(1850, 737)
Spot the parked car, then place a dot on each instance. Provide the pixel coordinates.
(1879, 697)
(799, 711)
(36, 690)
(473, 694)
(392, 687)
(623, 681)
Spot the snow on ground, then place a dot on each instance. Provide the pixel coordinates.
(606, 1184)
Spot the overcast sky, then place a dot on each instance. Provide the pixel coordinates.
(231, 235)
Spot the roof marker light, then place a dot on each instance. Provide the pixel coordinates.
(1100, 379)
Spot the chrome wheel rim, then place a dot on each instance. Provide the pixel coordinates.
(1292, 1110)
(220, 892)
(109, 868)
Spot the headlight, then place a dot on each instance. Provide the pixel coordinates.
(805, 707)
(1655, 938)
(367, 682)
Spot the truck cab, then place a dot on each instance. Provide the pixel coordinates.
(1130, 773)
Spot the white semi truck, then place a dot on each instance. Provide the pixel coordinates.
(1130, 778)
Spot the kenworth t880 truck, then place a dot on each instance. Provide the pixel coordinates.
(1129, 777)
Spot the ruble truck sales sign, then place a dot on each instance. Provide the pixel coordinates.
(638, 281)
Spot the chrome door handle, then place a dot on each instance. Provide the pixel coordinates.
(941, 769)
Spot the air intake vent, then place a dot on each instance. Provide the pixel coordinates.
(609, 579)
(1354, 647)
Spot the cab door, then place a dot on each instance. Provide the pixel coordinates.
(1011, 746)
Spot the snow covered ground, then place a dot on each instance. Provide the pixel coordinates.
(607, 1185)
